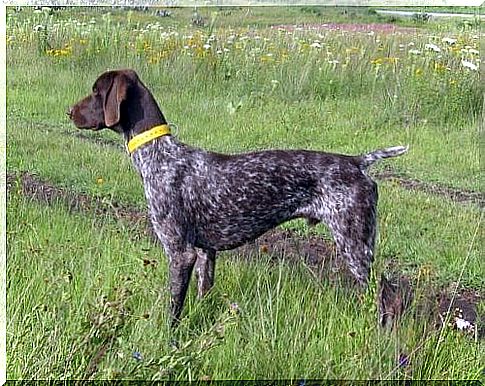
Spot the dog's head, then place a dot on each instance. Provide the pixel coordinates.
(103, 107)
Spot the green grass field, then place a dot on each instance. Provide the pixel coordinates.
(87, 293)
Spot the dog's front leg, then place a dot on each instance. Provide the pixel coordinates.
(181, 266)
(204, 270)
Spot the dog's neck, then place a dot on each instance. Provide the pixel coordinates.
(158, 155)
(160, 158)
(144, 114)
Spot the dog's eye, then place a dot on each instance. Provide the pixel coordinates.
(95, 91)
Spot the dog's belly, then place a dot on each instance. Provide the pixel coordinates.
(231, 231)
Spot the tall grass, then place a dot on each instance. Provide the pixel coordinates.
(280, 63)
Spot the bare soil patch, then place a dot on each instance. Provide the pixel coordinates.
(454, 307)
(459, 311)
(315, 252)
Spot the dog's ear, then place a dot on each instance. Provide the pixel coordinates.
(117, 93)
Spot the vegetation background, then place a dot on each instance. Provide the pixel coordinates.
(86, 286)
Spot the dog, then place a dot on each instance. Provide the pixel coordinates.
(203, 202)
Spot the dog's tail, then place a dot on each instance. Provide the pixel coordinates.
(368, 159)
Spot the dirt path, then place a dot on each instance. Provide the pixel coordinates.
(460, 196)
(276, 244)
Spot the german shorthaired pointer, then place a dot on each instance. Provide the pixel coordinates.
(202, 202)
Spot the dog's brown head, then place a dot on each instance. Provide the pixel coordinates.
(118, 101)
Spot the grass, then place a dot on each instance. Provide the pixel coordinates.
(83, 289)
(82, 303)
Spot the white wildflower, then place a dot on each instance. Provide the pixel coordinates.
(206, 46)
(414, 52)
(38, 27)
(432, 47)
(474, 51)
(469, 65)
(450, 41)
(316, 45)
(462, 324)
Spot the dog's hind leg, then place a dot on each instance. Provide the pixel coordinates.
(355, 238)
(351, 218)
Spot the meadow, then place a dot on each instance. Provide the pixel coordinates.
(87, 287)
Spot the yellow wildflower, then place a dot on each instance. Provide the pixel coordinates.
(439, 67)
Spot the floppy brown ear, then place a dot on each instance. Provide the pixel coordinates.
(112, 101)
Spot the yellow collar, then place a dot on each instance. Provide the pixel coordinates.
(147, 136)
